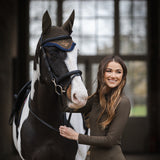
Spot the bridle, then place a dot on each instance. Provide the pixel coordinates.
(59, 90)
(54, 79)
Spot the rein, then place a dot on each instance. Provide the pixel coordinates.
(44, 122)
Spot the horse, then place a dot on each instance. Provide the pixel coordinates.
(55, 86)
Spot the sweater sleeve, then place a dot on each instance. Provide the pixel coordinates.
(115, 131)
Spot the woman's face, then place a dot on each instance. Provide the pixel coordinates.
(113, 74)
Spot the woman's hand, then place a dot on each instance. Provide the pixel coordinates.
(68, 132)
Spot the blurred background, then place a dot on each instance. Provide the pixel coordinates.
(128, 28)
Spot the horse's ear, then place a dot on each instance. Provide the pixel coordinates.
(46, 22)
(67, 26)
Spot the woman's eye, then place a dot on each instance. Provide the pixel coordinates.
(108, 70)
(119, 72)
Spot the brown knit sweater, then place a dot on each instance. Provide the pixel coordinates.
(105, 144)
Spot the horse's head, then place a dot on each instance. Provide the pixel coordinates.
(56, 60)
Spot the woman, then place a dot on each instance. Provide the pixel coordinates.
(107, 111)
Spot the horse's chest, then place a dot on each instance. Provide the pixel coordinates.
(39, 141)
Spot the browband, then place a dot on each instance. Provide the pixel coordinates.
(50, 44)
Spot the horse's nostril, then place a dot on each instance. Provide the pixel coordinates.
(74, 96)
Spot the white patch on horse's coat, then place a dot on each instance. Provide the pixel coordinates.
(35, 77)
(25, 111)
(77, 87)
(14, 133)
(77, 123)
(24, 115)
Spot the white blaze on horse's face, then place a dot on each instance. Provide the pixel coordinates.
(79, 93)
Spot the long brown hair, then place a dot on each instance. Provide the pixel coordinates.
(113, 97)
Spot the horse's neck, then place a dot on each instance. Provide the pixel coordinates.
(45, 102)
